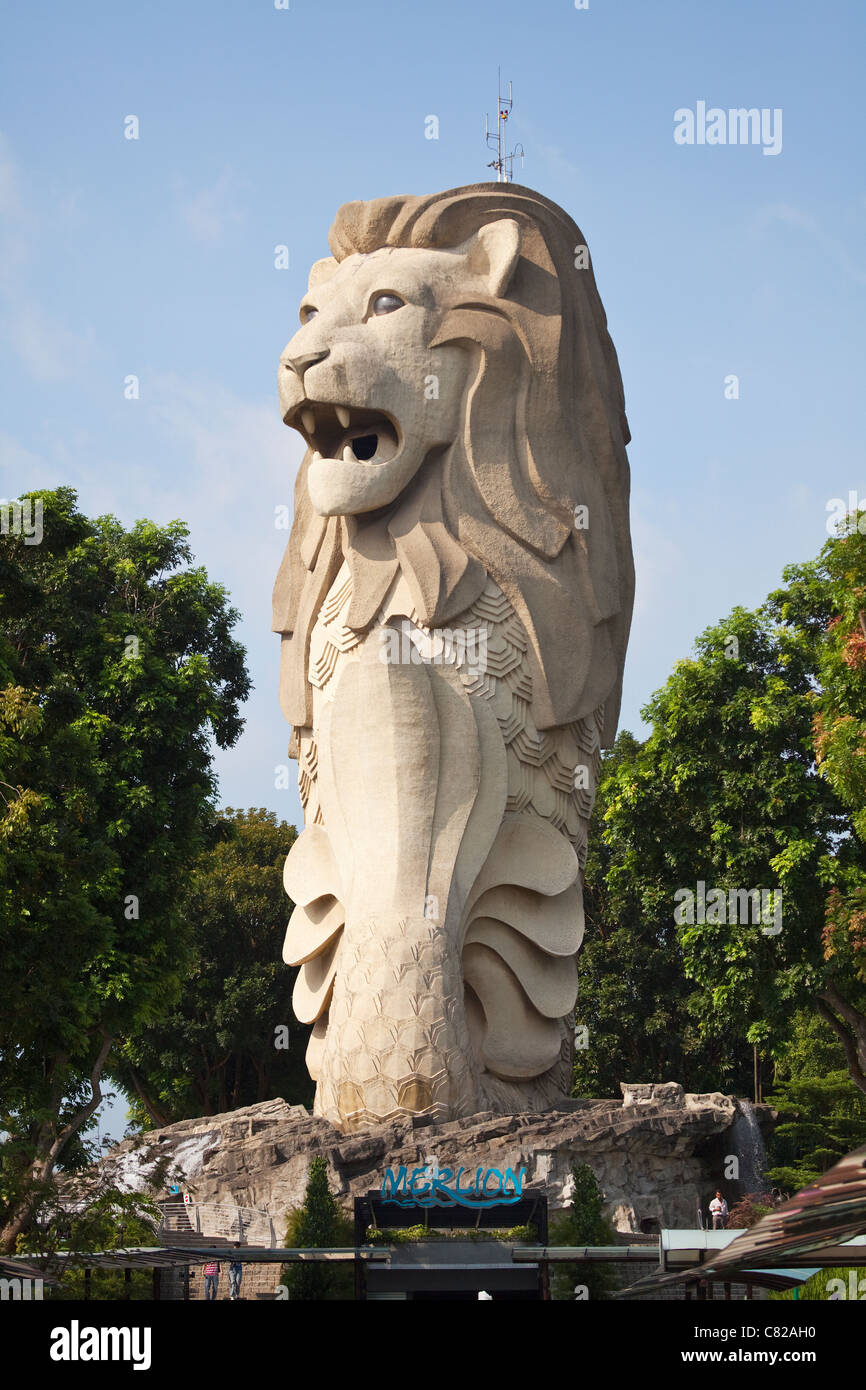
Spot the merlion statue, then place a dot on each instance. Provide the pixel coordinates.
(454, 605)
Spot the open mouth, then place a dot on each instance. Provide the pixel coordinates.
(353, 434)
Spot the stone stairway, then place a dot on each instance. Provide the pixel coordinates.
(207, 1224)
(217, 1225)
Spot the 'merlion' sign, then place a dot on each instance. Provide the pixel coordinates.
(441, 1187)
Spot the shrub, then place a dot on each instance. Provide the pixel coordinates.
(318, 1225)
(583, 1223)
(749, 1210)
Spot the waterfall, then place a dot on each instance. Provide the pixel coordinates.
(747, 1143)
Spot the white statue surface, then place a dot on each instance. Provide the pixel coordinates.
(454, 605)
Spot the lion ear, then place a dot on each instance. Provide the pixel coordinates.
(321, 270)
(493, 253)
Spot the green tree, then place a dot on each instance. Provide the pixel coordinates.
(640, 1011)
(725, 792)
(822, 1112)
(230, 1040)
(827, 599)
(84, 1213)
(822, 1118)
(583, 1223)
(118, 669)
(318, 1224)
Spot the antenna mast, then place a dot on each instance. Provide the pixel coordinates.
(504, 162)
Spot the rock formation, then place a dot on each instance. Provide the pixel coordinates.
(658, 1153)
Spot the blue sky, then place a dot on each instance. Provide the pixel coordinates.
(155, 257)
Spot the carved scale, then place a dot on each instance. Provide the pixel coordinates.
(442, 979)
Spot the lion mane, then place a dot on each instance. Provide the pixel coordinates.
(543, 432)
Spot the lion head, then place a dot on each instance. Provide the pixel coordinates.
(461, 400)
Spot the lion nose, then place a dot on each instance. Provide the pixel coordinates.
(300, 363)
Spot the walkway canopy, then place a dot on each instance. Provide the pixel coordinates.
(821, 1227)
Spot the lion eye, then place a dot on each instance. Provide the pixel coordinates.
(387, 303)
(307, 313)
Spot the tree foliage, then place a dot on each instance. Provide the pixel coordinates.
(750, 1209)
(828, 599)
(318, 1224)
(725, 793)
(231, 1039)
(583, 1223)
(641, 1012)
(822, 1113)
(117, 670)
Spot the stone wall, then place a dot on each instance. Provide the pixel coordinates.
(259, 1281)
(657, 1153)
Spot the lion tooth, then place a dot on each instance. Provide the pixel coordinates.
(317, 457)
(348, 455)
(343, 416)
(309, 421)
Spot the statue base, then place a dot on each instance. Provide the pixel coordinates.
(658, 1154)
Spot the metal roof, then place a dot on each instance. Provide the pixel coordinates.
(829, 1213)
(452, 1254)
(168, 1257)
(131, 1257)
(697, 1239)
(824, 1223)
(18, 1267)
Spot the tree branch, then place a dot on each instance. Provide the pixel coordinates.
(84, 1113)
(846, 1038)
(853, 1017)
(158, 1119)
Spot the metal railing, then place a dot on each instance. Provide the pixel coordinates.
(203, 1221)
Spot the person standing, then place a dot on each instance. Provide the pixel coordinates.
(719, 1212)
(211, 1281)
(236, 1274)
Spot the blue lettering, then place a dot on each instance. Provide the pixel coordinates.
(418, 1173)
(516, 1182)
(491, 1173)
(392, 1185)
(406, 1190)
(440, 1185)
